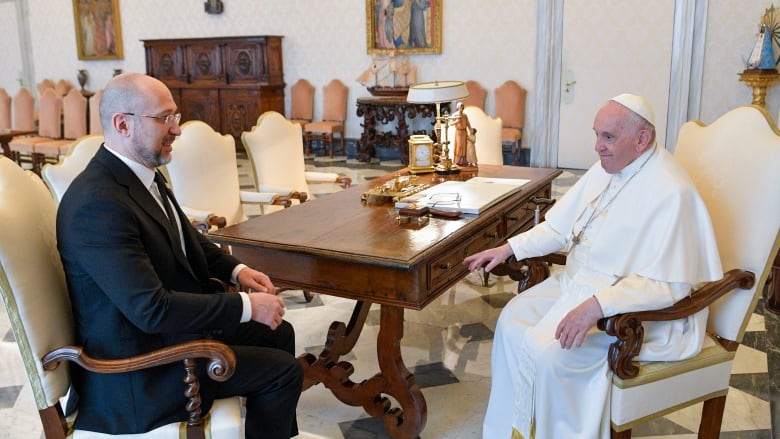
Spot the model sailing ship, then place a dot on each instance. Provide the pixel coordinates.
(388, 76)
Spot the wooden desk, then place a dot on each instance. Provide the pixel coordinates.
(383, 110)
(339, 246)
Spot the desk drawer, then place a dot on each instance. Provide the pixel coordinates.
(449, 266)
(521, 216)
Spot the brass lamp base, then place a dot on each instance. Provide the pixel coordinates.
(441, 170)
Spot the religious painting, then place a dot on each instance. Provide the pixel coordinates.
(403, 26)
(98, 31)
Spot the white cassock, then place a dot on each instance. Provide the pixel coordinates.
(647, 242)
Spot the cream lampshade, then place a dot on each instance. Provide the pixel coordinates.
(437, 92)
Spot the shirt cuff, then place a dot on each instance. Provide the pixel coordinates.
(246, 314)
(234, 274)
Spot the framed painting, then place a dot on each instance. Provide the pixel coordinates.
(98, 31)
(403, 26)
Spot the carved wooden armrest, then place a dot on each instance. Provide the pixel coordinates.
(211, 220)
(630, 333)
(220, 367)
(344, 181)
(529, 272)
(300, 196)
(283, 201)
(222, 360)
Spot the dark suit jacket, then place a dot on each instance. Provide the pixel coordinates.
(132, 292)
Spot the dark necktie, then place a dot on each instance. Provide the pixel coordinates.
(163, 190)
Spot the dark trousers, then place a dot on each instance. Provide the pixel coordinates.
(269, 376)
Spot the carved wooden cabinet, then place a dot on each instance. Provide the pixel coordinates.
(227, 82)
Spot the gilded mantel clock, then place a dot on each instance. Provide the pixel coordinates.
(420, 154)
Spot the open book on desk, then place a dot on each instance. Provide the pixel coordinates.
(471, 196)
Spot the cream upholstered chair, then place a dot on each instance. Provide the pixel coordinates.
(302, 102)
(477, 95)
(95, 127)
(510, 107)
(5, 110)
(746, 223)
(488, 136)
(203, 174)
(45, 334)
(58, 176)
(275, 151)
(334, 115)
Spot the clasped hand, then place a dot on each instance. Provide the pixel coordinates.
(267, 307)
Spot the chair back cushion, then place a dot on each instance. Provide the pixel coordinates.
(302, 101)
(5, 110)
(203, 171)
(734, 164)
(74, 114)
(32, 281)
(477, 95)
(95, 127)
(334, 97)
(50, 115)
(510, 104)
(59, 176)
(275, 149)
(24, 110)
(488, 136)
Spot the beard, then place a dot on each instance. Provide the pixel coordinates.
(154, 157)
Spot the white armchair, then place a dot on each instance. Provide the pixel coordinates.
(275, 150)
(488, 136)
(203, 174)
(58, 176)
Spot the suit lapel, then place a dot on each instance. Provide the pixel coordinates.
(141, 195)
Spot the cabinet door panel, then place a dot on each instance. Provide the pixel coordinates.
(240, 110)
(204, 63)
(166, 63)
(201, 104)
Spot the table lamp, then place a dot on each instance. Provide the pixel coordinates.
(438, 92)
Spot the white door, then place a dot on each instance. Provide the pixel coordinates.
(611, 47)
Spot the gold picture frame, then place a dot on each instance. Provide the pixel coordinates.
(414, 27)
(98, 29)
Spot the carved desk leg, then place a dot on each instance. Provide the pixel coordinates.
(394, 379)
(408, 420)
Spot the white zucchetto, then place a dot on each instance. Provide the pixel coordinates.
(637, 104)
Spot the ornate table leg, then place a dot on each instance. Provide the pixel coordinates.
(394, 378)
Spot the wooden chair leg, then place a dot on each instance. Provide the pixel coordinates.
(330, 145)
(712, 417)
(307, 142)
(625, 434)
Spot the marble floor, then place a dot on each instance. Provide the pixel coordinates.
(447, 346)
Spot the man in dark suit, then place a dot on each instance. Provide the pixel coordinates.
(139, 280)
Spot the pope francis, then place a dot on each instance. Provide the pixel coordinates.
(638, 236)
